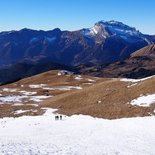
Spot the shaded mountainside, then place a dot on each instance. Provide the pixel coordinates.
(22, 70)
(105, 42)
(140, 64)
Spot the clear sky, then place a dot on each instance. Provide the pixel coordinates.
(75, 14)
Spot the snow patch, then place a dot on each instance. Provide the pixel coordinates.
(87, 83)
(9, 90)
(135, 80)
(144, 101)
(18, 99)
(63, 88)
(17, 104)
(38, 98)
(27, 93)
(64, 72)
(91, 80)
(20, 111)
(38, 86)
(132, 85)
(78, 77)
(12, 98)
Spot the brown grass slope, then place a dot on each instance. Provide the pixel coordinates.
(114, 95)
(148, 51)
(106, 98)
(49, 79)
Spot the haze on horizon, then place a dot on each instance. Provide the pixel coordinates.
(75, 14)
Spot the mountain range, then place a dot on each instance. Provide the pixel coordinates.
(106, 46)
(139, 64)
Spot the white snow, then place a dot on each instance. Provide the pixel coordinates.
(95, 30)
(130, 80)
(9, 90)
(76, 135)
(21, 111)
(87, 83)
(64, 72)
(91, 80)
(121, 29)
(11, 98)
(135, 80)
(134, 84)
(27, 93)
(63, 88)
(16, 104)
(38, 98)
(35, 105)
(148, 41)
(99, 102)
(78, 77)
(37, 86)
(59, 74)
(144, 101)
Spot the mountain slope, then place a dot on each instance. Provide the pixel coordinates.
(139, 65)
(74, 94)
(106, 42)
(148, 51)
(23, 70)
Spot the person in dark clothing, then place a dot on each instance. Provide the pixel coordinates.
(56, 117)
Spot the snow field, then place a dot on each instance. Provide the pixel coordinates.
(76, 135)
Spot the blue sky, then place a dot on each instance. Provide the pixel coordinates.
(75, 14)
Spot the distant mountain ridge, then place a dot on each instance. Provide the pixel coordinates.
(140, 64)
(22, 70)
(105, 42)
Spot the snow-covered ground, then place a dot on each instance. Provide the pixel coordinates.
(63, 88)
(37, 85)
(76, 135)
(135, 80)
(9, 99)
(144, 100)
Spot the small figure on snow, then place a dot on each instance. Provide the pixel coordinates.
(56, 117)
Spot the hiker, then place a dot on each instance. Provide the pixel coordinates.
(56, 117)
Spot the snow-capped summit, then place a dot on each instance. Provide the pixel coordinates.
(120, 29)
(105, 42)
(105, 29)
(98, 29)
(98, 32)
